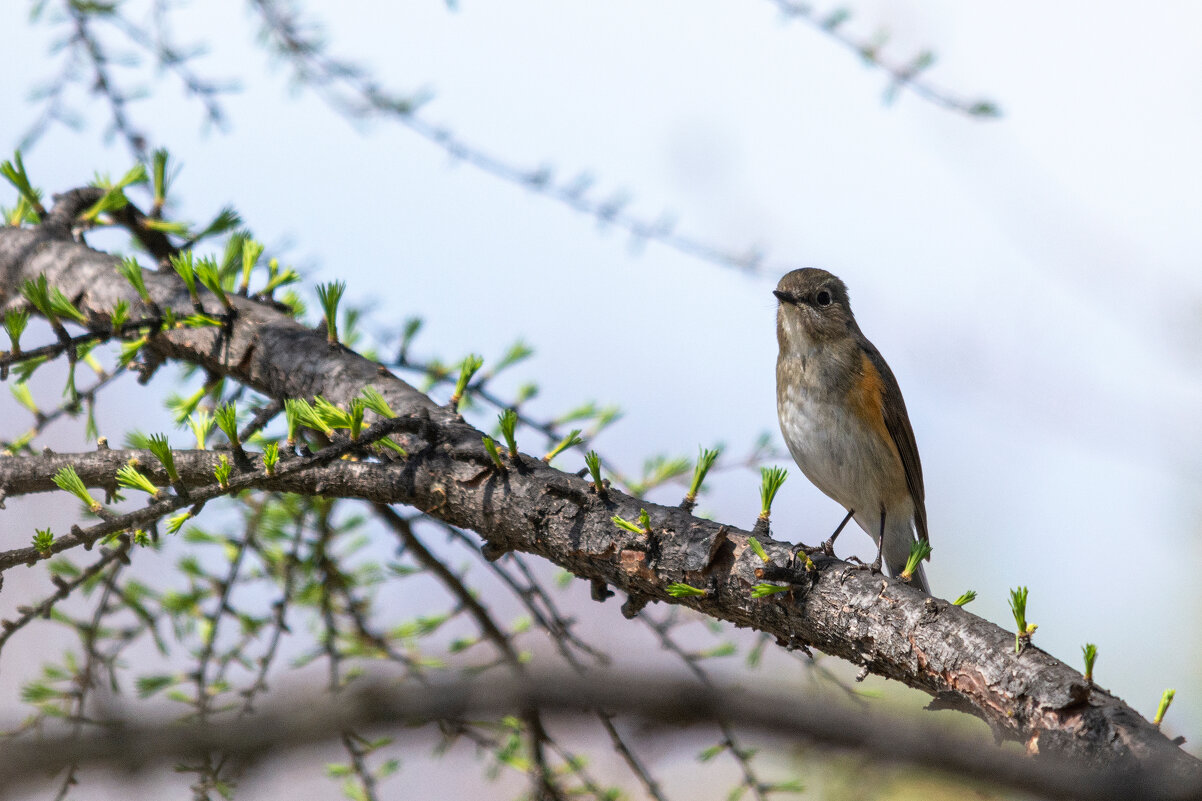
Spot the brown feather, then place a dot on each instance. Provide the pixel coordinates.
(898, 425)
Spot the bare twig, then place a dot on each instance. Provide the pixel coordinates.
(730, 741)
(901, 75)
(356, 93)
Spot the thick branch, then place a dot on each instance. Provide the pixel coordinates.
(891, 629)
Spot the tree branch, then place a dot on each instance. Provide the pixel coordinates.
(882, 625)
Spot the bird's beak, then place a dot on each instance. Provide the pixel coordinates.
(784, 297)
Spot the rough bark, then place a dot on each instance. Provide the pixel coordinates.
(885, 626)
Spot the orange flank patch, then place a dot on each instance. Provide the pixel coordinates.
(867, 399)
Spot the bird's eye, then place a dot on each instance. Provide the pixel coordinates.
(823, 298)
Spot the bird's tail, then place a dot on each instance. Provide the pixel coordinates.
(897, 553)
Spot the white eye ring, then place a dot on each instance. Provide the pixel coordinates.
(823, 298)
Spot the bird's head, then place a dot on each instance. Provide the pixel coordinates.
(813, 310)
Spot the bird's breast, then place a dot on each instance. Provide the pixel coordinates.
(837, 446)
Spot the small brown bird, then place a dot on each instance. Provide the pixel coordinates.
(844, 420)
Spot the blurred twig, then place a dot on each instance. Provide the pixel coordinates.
(902, 75)
(356, 93)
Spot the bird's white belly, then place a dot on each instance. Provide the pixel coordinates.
(842, 456)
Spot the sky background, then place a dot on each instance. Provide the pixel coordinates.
(1033, 280)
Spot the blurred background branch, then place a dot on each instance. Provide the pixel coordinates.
(662, 706)
(353, 91)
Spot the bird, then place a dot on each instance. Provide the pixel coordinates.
(843, 418)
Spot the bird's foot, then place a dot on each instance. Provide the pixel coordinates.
(827, 548)
(856, 563)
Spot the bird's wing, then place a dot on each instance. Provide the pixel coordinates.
(897, 422)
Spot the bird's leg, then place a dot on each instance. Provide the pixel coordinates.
(827, 547)
(875, 567)
(880, 548)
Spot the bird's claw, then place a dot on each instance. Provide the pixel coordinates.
(800, 549)
(827, 548)
(855, 563)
